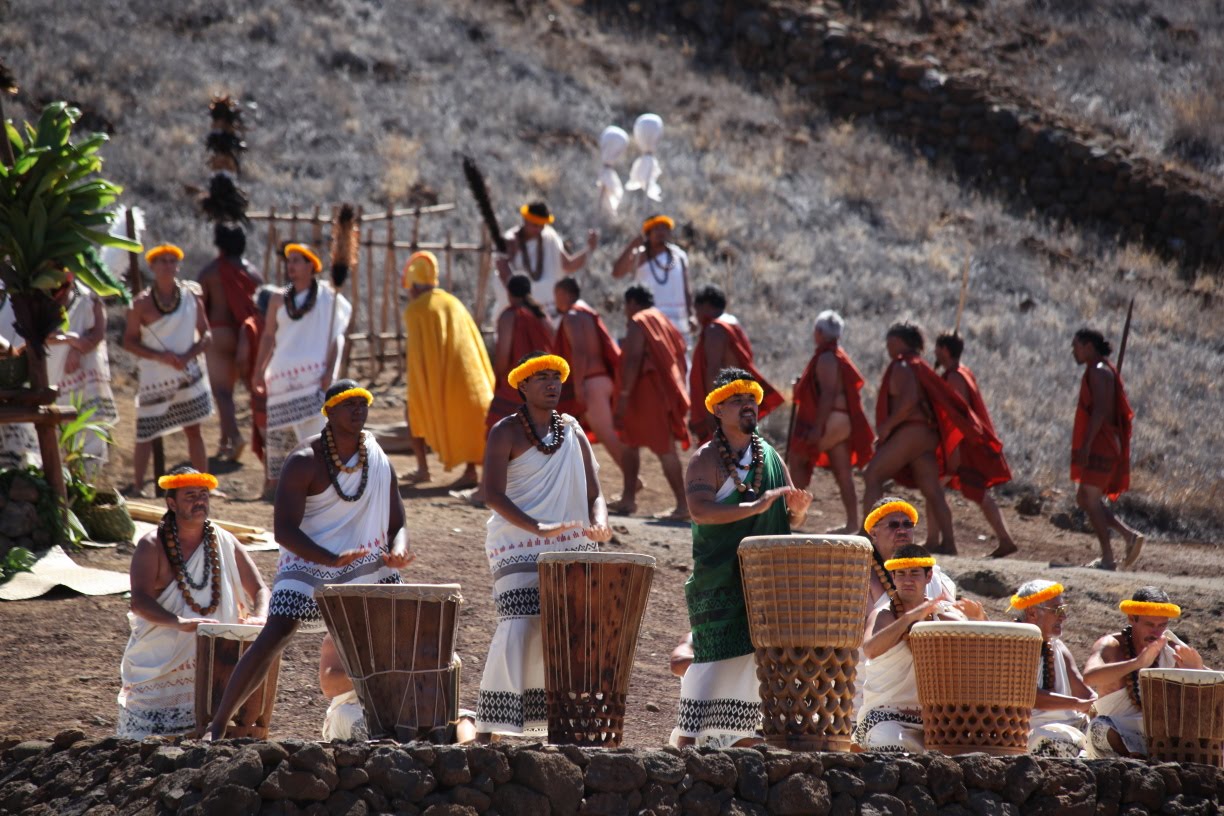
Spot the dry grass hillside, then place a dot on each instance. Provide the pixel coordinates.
(790, 212)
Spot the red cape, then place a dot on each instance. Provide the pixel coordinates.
(659, 401)
(981, 467)
(956, 424)
(609, 352)
(239, 290)
(807, 396)
(530, 334)
(742, 349)
(252, 328)
(1107, 464)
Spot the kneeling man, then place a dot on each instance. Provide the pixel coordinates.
(186, 572)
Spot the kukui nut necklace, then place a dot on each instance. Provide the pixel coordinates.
(757, 464)
(178, 298)
(291, 307)
(1047, 666)
(168, 533)
(539, 264)
(1132, 679)
(335, 466)
(555, 427)
(667, 267)
(886, 581)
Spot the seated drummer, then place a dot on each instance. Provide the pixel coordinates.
(892, 715)
(345, 719)
(186, 572)
(1116, 728)
(1060, 717)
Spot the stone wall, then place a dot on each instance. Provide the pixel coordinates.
(75, 775)
(992, 135)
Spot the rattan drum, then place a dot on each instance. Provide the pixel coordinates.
(219, 647)
(1183, 715)
(397, 642)
(975, 683)
(591, 607)
(807, 600)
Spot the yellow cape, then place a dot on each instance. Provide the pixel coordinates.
(450, 380)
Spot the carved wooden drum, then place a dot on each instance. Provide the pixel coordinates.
(1183, 715)
(591, 607)
(219, 647)
(975, 683)
(397, 643)
(807, 601)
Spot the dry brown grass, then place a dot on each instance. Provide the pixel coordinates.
(789, 212)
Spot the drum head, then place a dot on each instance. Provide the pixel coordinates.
(977, 628)
(229, 631)
(769, 542)
(408, 592)
(1189, 677)
(596, 558)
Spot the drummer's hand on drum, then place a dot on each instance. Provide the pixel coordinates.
(399, 557)
(798, 501)
(345, 558)
(599, 533)
(1147, 657)
(190, 624)
(770, 496)
(1187, 658)
(971, 609)
(552, 529)
(254, 620)
(919, 612)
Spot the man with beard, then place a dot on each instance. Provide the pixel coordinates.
(338, 519)
(186, 572)
(540, 483)
(229, 285)
(1060, 716)
(662, 267)
(737, 486)
(1100, 446)
(1116, 729)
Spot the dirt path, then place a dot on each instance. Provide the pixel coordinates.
(59, 655)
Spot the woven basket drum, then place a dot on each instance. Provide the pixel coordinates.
(219, 647)
(591, 607)
(807, 600)
(397, 642)
(1183, 715)
(975, 683)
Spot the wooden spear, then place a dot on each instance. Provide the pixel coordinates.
(1130, 310)
(960, 307)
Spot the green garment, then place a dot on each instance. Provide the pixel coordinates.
(714, 593)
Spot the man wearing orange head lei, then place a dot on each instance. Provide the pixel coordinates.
(662, 267)
(535, 249)
(1112, 671)
(299, 355)
(186, 572)
(167, 328)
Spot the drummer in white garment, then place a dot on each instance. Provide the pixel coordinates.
(662, 267)
(536, 250)
(541, 482)
(1116, 728)
(1060, 716)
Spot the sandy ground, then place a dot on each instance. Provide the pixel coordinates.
(59, 655)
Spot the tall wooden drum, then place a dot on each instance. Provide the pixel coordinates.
(975, 683)
(397, 643)
(807, 602)
(1183, 715)
(591, 607)
(219, 647)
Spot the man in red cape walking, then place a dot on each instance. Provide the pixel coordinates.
(920, 422)
(522, 328)
(831, 429)
(964, 469)
(721, 343)
(594, 359)
(1100, 446)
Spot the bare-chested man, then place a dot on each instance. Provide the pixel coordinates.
(229, 285)
(1100, 446)
(594, 357)
(831, 429)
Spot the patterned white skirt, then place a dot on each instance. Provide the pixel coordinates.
(720, 703)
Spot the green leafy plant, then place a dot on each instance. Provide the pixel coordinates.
(73, 438)
(16, 560)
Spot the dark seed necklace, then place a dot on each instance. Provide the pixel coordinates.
(335, 466)
(291, 307)
(173, 307)
(666, 268)
(1047, 666)
(886, 581)
(539, 264)
(555, 427)
(168, 533)
(1132, 679)
(757, 464)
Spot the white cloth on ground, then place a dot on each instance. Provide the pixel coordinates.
(548, 488)
(339, 526)
(552, 246)
(295, 372)
(169, 399)
(1057, 732)
(159, 662)
(1117, 712)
